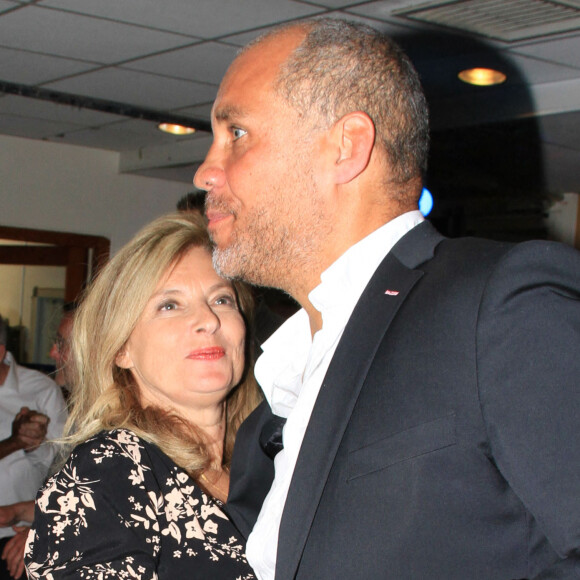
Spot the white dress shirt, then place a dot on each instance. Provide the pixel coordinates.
(22, 473)
(293, 366)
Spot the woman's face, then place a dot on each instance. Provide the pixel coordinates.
(187, 350)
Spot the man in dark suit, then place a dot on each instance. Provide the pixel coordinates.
(430, 387)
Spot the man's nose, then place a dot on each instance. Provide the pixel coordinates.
(54, 353)
(210, 173)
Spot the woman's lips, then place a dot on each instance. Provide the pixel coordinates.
(212, 353)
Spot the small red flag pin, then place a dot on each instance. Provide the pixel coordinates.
(392, 292)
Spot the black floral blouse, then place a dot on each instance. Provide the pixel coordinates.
(120, 508)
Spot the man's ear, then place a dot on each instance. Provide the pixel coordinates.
(123, 359)
(354, 134)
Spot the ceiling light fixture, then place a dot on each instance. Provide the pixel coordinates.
(175, 129)
(482, 77)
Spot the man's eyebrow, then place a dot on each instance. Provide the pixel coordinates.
(227, 112)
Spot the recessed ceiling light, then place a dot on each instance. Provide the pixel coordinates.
(175, 129)
(482, 77)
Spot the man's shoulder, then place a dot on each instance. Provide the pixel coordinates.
(32, 380)
(532, 253)
(482, 251)
(424, 243)
(536, 248)
(425, 250)
(474, 263)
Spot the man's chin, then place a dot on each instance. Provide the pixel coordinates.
(233, 264)
(223, 262)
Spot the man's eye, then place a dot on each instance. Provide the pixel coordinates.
(237, 133)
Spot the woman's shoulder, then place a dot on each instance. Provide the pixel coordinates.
(105, 458)
(121, 436)
(117, 482)
(109, 444)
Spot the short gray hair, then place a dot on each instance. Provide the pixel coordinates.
(342, 67)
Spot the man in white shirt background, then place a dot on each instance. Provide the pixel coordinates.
(32, 409)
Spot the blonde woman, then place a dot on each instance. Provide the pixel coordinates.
(160, 389)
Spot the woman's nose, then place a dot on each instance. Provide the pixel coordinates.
(206, 320)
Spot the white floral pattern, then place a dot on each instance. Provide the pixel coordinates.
(120, 508)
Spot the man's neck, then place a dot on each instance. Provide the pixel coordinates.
(315, 319)
(336, 250)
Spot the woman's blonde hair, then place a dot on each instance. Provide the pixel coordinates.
(105, 396)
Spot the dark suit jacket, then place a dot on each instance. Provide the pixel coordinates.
(445, 441)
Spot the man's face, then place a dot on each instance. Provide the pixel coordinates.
(262, 174)
(60, 351)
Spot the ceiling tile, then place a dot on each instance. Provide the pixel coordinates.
(199, 111)
(7, 5)
(31, 128)
(182, 173)
(202, 18)
(116, 137)
(533, 70)
(564, 51)
(381, 9)
(333, 3)
(37, 109)
(206, 62)
(64, 34)
(19, 66)
(244, 38)
(137, 88)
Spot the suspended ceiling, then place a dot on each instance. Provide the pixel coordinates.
(62, 60)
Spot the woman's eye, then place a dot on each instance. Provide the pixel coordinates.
(237, 133)
(226, 301)
(167, 306)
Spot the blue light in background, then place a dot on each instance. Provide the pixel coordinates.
(425, 202)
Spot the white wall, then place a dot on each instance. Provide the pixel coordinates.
(71, 189)
(77, 189)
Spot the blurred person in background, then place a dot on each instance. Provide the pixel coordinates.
(32, 409)
(23, 512)
(60, 351)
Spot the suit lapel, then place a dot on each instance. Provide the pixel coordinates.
(251, 472)
(370, 320)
